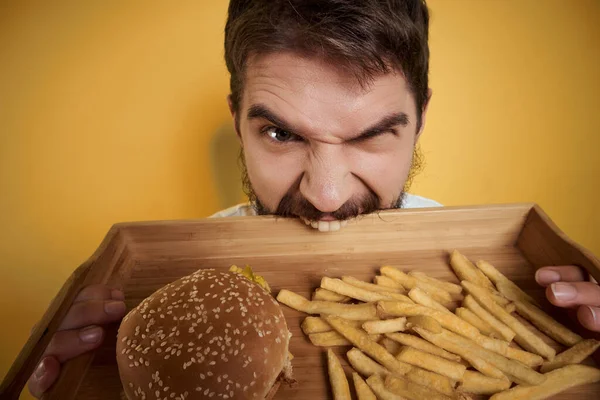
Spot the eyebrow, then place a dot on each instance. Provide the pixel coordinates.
(384, 125)
(260, 111)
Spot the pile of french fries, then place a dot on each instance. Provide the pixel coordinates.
(415, 337)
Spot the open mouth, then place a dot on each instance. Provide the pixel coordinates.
(326, 226)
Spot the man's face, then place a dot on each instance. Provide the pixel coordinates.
(319, 146)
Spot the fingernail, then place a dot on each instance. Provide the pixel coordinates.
(594, 315)
(547, 276)
(90, 334)
(114, 307)
(563, 291)
(117, 295)
(40, 370)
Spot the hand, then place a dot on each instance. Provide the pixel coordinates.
(80, 331)
(570, 287)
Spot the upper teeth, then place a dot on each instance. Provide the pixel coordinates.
(326, 226)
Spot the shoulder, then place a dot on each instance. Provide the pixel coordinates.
(414, 201)
(240, 210)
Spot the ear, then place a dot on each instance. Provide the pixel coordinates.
(424, 114)
(235, 117)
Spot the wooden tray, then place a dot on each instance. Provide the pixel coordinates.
(141, 257)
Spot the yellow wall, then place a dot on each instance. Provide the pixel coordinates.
(108, 112)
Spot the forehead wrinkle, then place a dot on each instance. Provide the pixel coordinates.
(298, 117)
(318, 113)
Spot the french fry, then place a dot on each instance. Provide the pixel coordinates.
(557, 381)
(500, 300)
(503, 348)
(423, 345)
(360, 312)
(484, 333)
(328, 295)
(318, 325)
(482, 365)
(498, 326)
(333, 339)
(447, 320)
(381, 280)
(425, 322)
(504, 285)
(430, 379)
(419, 296)
(371, 286)
(363, 391)
(466, 271)
(470, 317)
(520, 372)
(477, 383)
(439, 365)
(495, 345)
(365, 365)
(410, 390)
(294, 300)
(385, 326)
(341, 287)
(390, 345)
(514, 293)
(466, 352)
(547, 324)
(314, 325)
(510, 308)
(405, 280)
(449, 287)
(376, 384)
(410, 282)
(525, 357)
(328, 339)
(547, 339)
(337, 377)
(523, 336)
(573, 355)
(361, 340)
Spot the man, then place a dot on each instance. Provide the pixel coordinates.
(329, 100)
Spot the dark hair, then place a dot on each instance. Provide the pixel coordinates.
(365, 37)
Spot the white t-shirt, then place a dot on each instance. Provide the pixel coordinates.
(244, 209)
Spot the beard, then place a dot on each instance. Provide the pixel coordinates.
(294, 205)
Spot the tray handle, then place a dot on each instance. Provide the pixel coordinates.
(544, 243)
(69, 379)
(31, 353)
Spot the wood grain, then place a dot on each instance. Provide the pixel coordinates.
(141, 257)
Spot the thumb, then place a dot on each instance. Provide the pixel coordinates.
(44, 376)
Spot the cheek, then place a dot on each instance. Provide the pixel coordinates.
(271, 174)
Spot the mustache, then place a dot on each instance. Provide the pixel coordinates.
(293, 204)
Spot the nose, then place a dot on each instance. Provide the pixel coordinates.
(326, 181)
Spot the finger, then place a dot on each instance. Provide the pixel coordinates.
(569, 273)
(93, 312)
(589, 317)
(99, 292)
(44, 376)
(569, 294)
(93, 292)
(68, 344)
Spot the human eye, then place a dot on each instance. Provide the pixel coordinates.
(279, 135)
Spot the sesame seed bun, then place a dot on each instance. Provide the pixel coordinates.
(207, 335)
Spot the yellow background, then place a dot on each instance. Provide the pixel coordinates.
(109, 112)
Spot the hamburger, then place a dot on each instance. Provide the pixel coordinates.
(208, 335)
